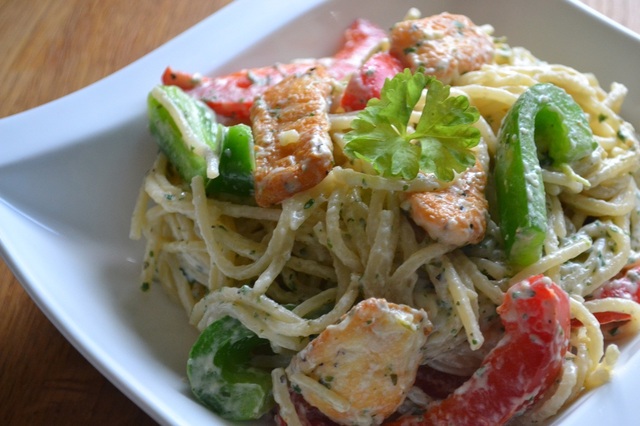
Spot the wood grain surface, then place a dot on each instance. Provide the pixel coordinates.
(49, 48)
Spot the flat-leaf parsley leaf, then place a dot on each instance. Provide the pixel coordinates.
(440, 143)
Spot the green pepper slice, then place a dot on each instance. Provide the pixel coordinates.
(544, 125)
(196, 145)
(220, 373)
(186, 131)
(562, 131)
(237, 163)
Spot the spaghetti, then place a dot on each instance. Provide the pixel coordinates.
(290, 271)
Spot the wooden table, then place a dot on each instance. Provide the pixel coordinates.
(49, 49)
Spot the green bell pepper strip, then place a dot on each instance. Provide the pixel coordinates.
(543, 125)
(237, 163)
(185, 130)
(220, 373)
(196, 145)
(562, 131)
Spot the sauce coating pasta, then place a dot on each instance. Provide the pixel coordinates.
(312, 268)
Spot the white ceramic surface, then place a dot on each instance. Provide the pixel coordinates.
(70, 171)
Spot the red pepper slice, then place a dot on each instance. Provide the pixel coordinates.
(360, 41)
(605, 318)
(519, 370)
(625, 285)
(232, 95)
(368, 81)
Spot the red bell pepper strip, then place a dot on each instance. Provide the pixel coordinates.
(361, 40)
(368, 81)
(605, 318)
(519, 370)
(232, 95)
(625, 285)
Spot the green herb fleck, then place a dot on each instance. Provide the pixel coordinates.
(326, 381)
(309, 203)
(394, 378)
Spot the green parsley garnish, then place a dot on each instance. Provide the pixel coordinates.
(442, 140)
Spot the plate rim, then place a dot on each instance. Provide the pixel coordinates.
(94, 354)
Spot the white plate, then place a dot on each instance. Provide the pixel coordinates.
(70, 171)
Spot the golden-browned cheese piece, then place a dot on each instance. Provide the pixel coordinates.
(455, 215)
(368, 362)
(446, 45)
(290, 124)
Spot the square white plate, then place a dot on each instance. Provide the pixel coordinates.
(67, 189)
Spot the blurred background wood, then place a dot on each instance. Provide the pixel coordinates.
(626, 12)
(49, 49)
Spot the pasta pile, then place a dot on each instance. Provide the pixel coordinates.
(290, 271)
